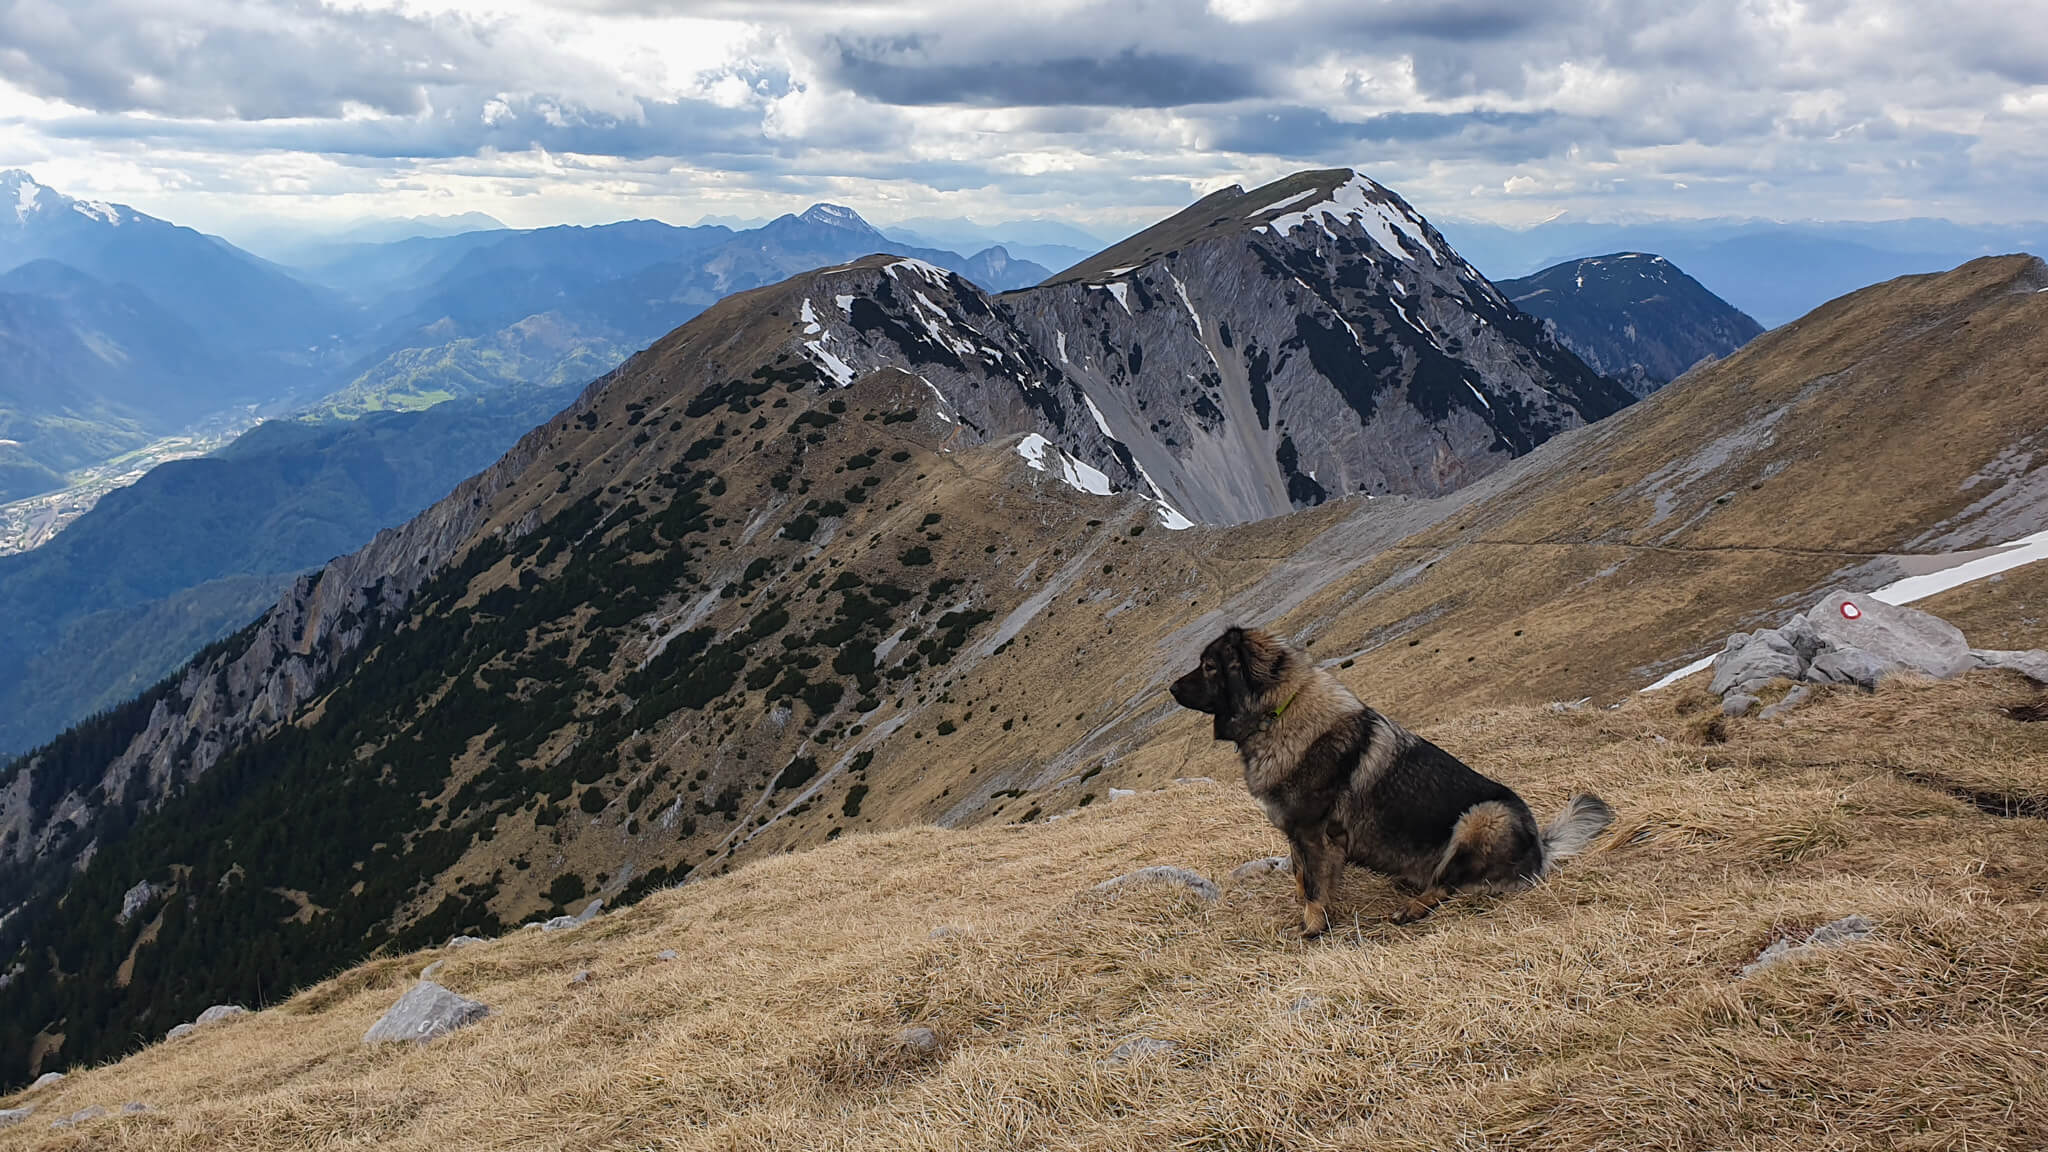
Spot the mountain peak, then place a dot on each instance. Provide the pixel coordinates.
(1305, 206)
(836, 216)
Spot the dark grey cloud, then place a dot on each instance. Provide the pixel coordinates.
(1510, 137)
(903, 74)
(241, 59)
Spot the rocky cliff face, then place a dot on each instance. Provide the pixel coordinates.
(1633, 316)
(1267, 350)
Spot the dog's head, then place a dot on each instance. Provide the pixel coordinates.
(1237, 676)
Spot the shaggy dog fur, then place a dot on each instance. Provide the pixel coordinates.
(1347, 785)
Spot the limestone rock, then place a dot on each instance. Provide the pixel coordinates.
(426, 1010)
(135, 900)
(1850, 666)
(1138, 1048)
(1251, 869)
(1847, 930)
(462, 941)
(433, 970)
(1194, 882)
(665, 954)
(1182, 781)
(135, 1108)
(1904, 636)
(45, 1080)
(588, 914)
(180, 1031)
(582, 976)
(220, 1012)
(79, 1117)
(2032, 663)
(1749, 662)
(1737, 704)
(1116, 794)
(1793, 699)
(917, 1039)
(9, 1117)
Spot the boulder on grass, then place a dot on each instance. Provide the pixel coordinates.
(9, 1117)
(426, 1010)
(221, 1012)
(1905, 637)
(1749, 662)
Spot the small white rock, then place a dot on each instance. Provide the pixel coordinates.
(45, 1080)
(1194, 882)
(919, 1039)
(1847, 930)
(1252, 869)
(1116, 794)
(1138, 1048)
(219, 1012)
(665, 954)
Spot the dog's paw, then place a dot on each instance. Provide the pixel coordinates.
(1314, 921)
(1411, 912)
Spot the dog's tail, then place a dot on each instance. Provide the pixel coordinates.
(1584, 818)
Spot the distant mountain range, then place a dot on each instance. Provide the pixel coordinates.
(1633, 316)
(1774, 271)
(197, 548)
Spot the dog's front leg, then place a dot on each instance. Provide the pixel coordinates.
(1317, 866)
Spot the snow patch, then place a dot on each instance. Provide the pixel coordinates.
(1119, 291)
(934, 274)
(810, 319)
(1063, 348)
(833, 365)
(1074, 473)
(97, 210)
(1297, 198)
(25, 199)
(1097, 413)
(845, 305)
(1360, 201)
(1476, 395)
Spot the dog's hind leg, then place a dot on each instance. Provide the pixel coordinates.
(1421, 905)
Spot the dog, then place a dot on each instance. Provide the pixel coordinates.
(1346, 784)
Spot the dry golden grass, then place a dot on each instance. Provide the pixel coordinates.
(1600, 1010)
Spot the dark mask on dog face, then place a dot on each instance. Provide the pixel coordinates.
(1223, 686)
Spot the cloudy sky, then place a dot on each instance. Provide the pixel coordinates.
(222, 112)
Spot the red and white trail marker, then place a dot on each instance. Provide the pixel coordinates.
(1850, 611)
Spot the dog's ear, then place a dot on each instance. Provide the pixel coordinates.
(1263, 658)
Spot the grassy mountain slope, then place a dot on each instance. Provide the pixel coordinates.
(1601, 1010)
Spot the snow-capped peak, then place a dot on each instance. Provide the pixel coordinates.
(835, 216)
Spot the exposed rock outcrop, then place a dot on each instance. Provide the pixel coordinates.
(1165, 874)
(426, 1010)
(1847, 930)
(1851, 638)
